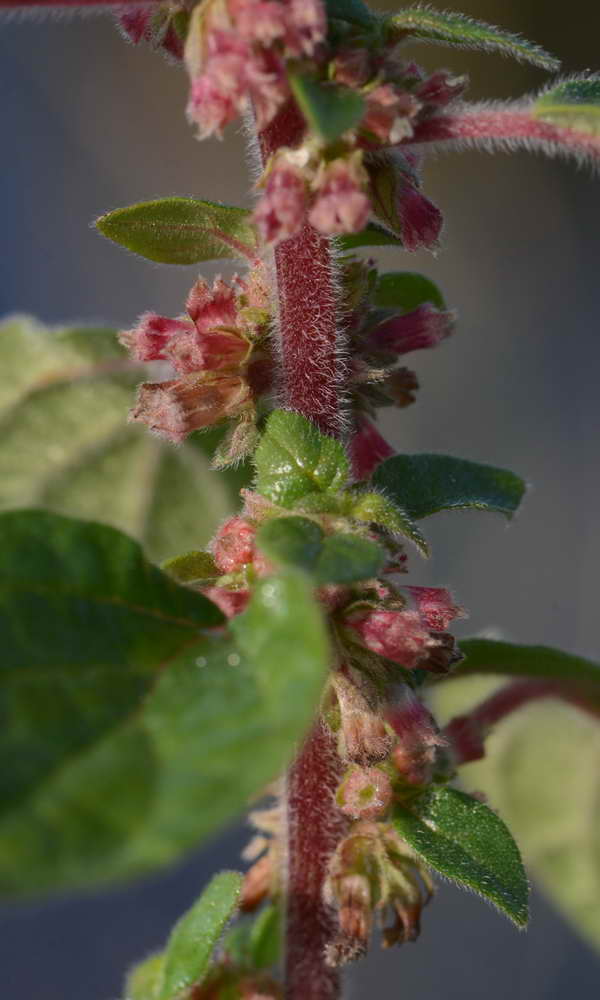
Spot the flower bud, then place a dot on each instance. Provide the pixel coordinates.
(233, 546)
(424, 327)
(365, 793)
(282, 208)
(435, 606)
(418, 738)
(420, 221)
(149, 340)
(341, 205)
(368, 448)
(230, 602)
(176, 408)
(398, 635)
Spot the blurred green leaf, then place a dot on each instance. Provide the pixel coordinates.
(377, 509)
(426, 484)
(329, 109)
(541, 771)
(191, 566)
(374, 235)
(572, 104)
(193, 939)
(144, 980)
(407, 291)
(347, 558)
(87, 624)
(157, 775)
(291, 541)
(454, 29)
(337, 558)
(180, 230)
(294, 461)
(66, 444)
(463, 840)
(489, 656)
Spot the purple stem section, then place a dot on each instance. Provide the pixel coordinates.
(312, 382)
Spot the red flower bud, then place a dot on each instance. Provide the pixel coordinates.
(424, 327)
(398, 635)
(174, 409)
(234, 545)
(365, 793)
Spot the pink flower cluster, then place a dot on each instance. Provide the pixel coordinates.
(406, 635)
(236, 52)
(213, 351)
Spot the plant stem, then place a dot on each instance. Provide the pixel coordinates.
(312, 382)
(466, 733)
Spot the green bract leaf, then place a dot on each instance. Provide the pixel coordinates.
(191, 566)
(291, 541)
(407, 291)
(465, 841)
(180, 230)
(86, 623)
(572, 104)
(426, 484)
(541, 770)
(451, 28)
(107, 783)
(294, 461)
(488, 656)
(66, 444)
(377, 509)
(145, 979)
(373, 235)
(192, 940)
(353, 11)
(329, 109)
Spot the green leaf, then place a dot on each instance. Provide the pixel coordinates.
(377, 509)
(87, 624)
(374, 235)
(107, 783)
(541, 770)
(191, 566)
(349, 558)
(426, 484)
(353, 11)
(451, 28)
(464, 841)
(67, 446)
(195, 935)
(489, 656)
(407, 291)
(294, 461)
(329, 109)
(291, 541)
(180, 230)
(255, 944)
(572, 104)
(338, 558)
(145, 979)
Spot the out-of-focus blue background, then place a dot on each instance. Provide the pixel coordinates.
(89, 123)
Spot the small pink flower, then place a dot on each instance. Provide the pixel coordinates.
(436, 607)
(150, 338)
(420, 220)
(282, 208)
(389, 113)
(261, 21)
(234, 545)
(424, 327)
(398, 635)
(267, 85)
(215, 350)
(367, 449)
(211, 307)
(341, 205)
(219, 93)
(306, 26)
(176, 408)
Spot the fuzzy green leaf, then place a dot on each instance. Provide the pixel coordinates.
(377, 509)
(87, 623)
(572, 104)
(353, 11)
(329, 109)
(454, 29)
(407, 291)
(141, 781)
(193, 939)
(426, 484)
(256, 943)
(294, 461)
(144, 980)
(464, 841)
(373, 235)
(66, 444)
(180, 230)
(541, 771)
(338, 558)
(491, 657)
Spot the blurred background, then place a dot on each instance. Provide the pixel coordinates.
(89, 124)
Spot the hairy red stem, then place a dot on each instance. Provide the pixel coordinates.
(466, 733)
(312, 381)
